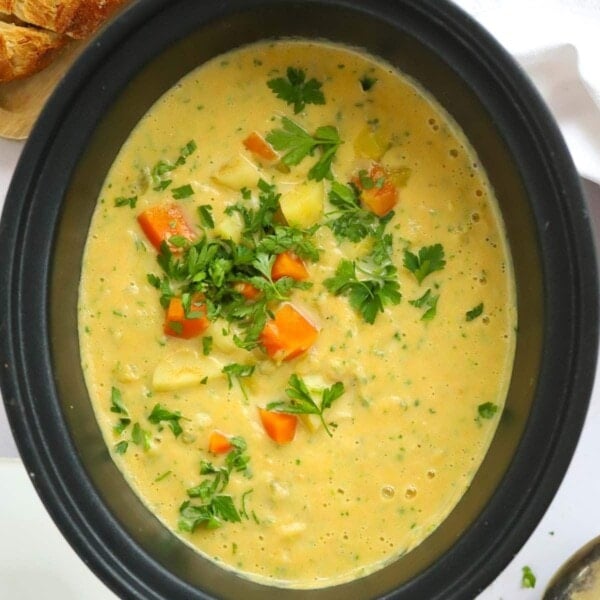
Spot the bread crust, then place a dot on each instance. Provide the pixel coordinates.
(76, 18)
(25, 50)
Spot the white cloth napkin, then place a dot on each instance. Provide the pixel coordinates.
(558, 43)
(555, 72)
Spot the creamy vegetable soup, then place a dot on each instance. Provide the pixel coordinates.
(297, 312)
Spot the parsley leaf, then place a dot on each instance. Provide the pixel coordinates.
(238, 371)
(474, 312)
(528, 579)
(296, 90)
(160, 413)
(301, 401)
(298, 144)
(427, 301)
(350, 220)
(207, 344)
(205, 214)
(429, 259)
(216, 507)
(121, 447)
(185, 191)
(370, 283)
(116, 401)
(367, 82)
(122, 201)
(487, 410)
(140, 437)
(160, 172)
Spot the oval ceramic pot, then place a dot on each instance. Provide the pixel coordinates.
(45, 223)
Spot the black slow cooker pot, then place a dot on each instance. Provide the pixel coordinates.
(43, 231)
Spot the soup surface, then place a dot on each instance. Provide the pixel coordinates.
(297, 312)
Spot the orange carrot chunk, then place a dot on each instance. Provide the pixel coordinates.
(247, 290)
(382, 195)
(256, 144)
(163, 221)
(287, 264)
(288, 334)
(280, 427)
(178, 325)
(218, 443)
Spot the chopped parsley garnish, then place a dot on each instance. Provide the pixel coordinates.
(206, 218)
(350, 220)
(160, 173)
(487, 410)
(140, 437)
(117, 406)
(121, 447)
(163, 476)
(116, 401)
(371, 283)
(184, 191)
(123, 201)
(237, 371)
(296, 91)
(528, 578)
(367, 82)
(429, 259)
(427, 301)
(301, 401)
(213, 267)
(474, 312)
(297, 144)
(207, 344)
(216, 508)
(160, 414)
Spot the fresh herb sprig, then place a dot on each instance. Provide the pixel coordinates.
(297, 144)
(428, 301)
(371, 283)
(349, 220)
(238, 372)
(161, 414)
(301, 401)
(428, 260)
(475, 312)
(160, 173)
(296, 90)
(214, 507)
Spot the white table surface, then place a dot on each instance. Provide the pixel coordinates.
(35, 561)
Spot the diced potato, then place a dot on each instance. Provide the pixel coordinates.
(352, 250)
(399, 176)
(302, 205)
(229, 227)
(238, 173)
(126, 373)
(394, 158)
(291, 530)
(394, 162)
(184, 368)
(311, 422)
(369, 144)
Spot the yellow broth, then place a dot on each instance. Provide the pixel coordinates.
(422, 396)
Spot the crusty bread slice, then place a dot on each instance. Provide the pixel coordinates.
(25, 50)
(75, 18)
(90, 15)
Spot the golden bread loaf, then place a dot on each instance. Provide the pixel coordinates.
(25, 50)
(31, 31)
